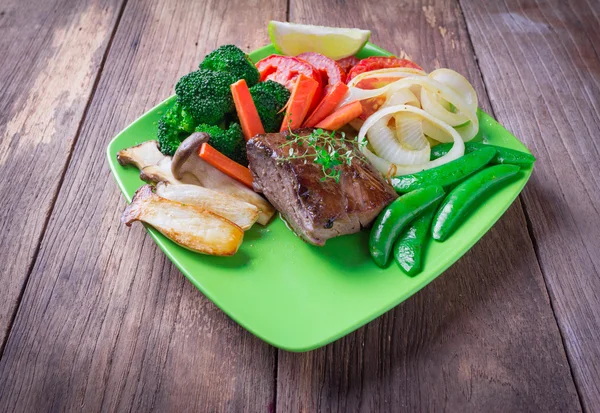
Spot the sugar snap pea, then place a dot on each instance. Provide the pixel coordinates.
(503, 155)
(446, 174)
(408, 248)
(467, 194)
(394, 218)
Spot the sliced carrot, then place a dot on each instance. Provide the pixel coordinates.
(341, 116)
(246, 110)
(225, 165)
(299, 103)
(333, 98)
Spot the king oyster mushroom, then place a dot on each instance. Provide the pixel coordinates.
(234, 209)
(190, 226)
(153, 165)
(142, 155)
(160, 172)
(188, 167)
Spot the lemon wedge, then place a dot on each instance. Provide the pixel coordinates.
(336, 43)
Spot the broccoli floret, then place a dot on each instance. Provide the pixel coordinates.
(205, 95)
(269, 98)
(173, 127)
(229, 142)
(231, 59)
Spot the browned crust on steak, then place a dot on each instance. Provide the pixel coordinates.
(317, 210)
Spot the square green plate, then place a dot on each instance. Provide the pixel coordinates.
(299, 297)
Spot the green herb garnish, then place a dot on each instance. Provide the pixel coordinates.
(323, 148)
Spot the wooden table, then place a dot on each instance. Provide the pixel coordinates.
(94, 318)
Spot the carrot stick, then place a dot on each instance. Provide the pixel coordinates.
(333, 98)
(244, 105)
(341, 116)
(225, 165)
(299, 103)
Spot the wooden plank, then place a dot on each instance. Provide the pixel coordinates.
(106, 322)
(480, 338)
(540, 64)
(51, 54)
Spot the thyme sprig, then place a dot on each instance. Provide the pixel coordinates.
(323, 148)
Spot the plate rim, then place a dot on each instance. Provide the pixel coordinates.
(310, 344)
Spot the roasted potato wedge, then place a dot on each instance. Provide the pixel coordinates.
(190, 226)
(234, 209)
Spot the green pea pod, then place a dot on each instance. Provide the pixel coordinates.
(446, 174)
(467, 194)
(393, 219)
(503, 155)
(409, 246)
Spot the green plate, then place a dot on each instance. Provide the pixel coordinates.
(299, 297)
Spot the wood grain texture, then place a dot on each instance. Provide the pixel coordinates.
(541, 67)
(51, 52)
(480, 338)
(106, 322)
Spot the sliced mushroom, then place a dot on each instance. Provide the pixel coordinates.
(234, 209)
(188, 167)
(191, 227)
(153, 165)
(161, 172)
(142, 155)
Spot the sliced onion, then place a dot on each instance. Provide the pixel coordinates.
(409, 132)
(434, 132)
(382, 140)
(445, 104)
(355, 93)
(398, 72)
(458, 83)
(469, 131)
(425, 82)
(402, 96)
(432, 105)
(433, 93)
(385, 166)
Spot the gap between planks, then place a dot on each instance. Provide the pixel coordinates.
(62, 176)
(560, 332)
(76, 137)
(527, 218)
(486, 92)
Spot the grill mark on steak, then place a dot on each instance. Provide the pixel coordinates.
(317, 210)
